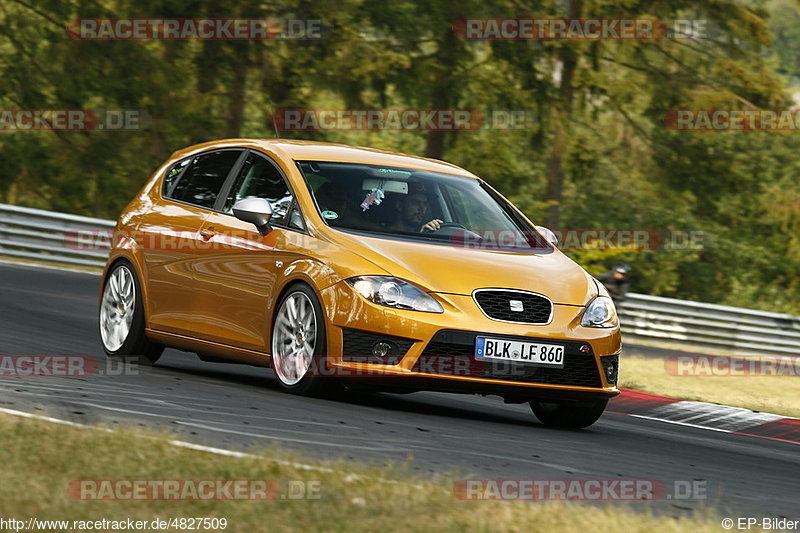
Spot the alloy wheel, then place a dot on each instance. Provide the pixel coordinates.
(117, 308)
(294, 338)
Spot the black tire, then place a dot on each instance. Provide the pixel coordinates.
(136, 347)
(568, 414)
(318, 381)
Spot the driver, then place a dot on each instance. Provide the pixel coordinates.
(410, 215)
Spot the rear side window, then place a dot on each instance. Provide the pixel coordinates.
(260, 178)
(173, 174)
(201, 182)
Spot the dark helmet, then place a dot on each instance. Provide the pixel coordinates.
(623, 268)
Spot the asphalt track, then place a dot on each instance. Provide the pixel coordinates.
(53, 312)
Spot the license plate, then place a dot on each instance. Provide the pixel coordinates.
(519, 351)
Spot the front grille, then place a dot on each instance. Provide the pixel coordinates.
(451, 352)
(531, 308)
(357, 347)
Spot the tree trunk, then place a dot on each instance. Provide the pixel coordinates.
(562, 117)
(555, 175)
(207, 76)
(235, 118)
(444, 87)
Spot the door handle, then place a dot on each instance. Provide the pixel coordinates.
(207, 234)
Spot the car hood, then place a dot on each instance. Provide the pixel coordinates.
(457, 270)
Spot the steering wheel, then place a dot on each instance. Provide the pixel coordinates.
(449, 229)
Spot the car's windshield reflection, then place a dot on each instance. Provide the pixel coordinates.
(419, 205)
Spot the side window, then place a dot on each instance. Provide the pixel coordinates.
(201, 182)
(173, 174)
(261, 179)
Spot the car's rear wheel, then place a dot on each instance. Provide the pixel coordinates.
(122, 317)
(299, 343)
(568, 414)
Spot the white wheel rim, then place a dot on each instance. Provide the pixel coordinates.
(117, 308)
(294, 338)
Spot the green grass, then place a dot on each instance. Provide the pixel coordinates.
(39, 459)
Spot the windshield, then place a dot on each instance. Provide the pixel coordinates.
(417, 205)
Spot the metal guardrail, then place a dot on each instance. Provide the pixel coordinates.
(718, 328)
(70, 239)
(38, 234)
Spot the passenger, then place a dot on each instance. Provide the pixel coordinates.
(339, 206)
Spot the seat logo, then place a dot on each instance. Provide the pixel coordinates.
(516, 306)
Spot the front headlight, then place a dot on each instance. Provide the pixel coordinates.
(600, 313)
(394, 292)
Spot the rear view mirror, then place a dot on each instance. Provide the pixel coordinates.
(400, 187)
(256, 211)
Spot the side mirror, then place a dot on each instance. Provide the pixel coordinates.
(549, 235)
(257, 211)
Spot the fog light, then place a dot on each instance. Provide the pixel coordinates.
(381, 349)
(611, 368)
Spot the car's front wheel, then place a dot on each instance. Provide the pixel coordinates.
(122, 317)
(568, 414)
(299, 343)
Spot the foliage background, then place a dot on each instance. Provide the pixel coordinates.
(595, 152)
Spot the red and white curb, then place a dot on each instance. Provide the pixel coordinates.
(705, 415)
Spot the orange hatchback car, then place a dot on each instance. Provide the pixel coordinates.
(341, 265)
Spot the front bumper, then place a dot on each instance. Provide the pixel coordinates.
(434, 351)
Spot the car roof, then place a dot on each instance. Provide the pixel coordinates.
(299, 150)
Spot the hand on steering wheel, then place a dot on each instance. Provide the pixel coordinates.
(437, 224)
(432, 226)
